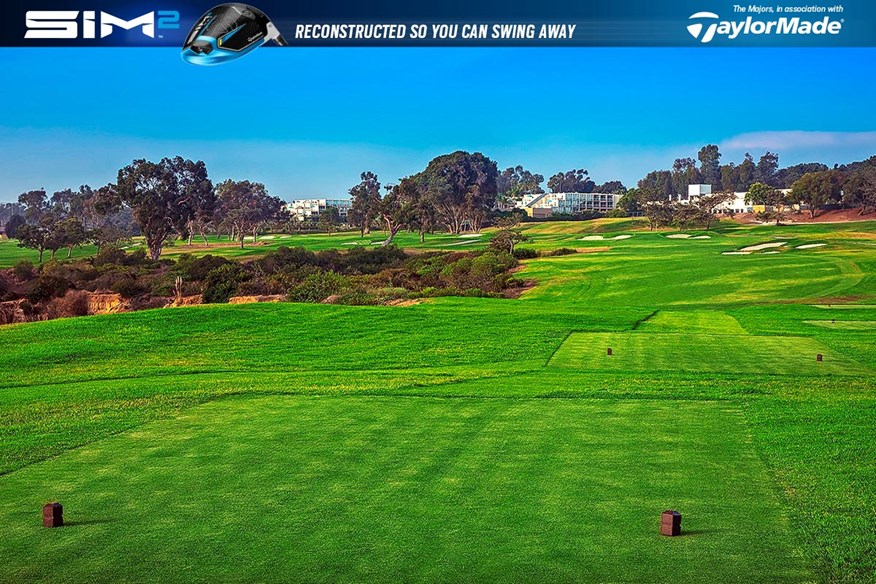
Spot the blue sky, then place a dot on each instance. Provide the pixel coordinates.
(306, 122)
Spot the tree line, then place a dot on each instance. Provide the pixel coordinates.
(812, 184)
(162, 201)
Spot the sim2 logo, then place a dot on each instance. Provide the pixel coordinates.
(73, 24)
(705, 26)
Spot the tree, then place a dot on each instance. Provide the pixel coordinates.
(571, 181)
(106, 235)
(248, 207)
(197, 196)
(365, 199)
(657, 185)
(507, 236)
(11, 227)
(36, 204)
(707, 204)
(815, 189)
(69, 233)
(398, 207)
(516, 181)
(710, 166)
(159, 196)
(612, 187)
(765, 172)
(684, 173)
(329, 219)
(659, 213)
(773, 200)
(683, 216)
(462, 186)
(859, 189)
(785, 177)
(746, 173)
(631, 202)
(33, 237)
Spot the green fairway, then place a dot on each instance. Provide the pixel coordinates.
(408, 489)
(726, 353)
(466, 439)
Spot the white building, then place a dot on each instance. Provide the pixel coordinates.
(735, 205)
(310, 209)
(547, 204)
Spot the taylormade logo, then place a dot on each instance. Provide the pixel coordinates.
(708, 24)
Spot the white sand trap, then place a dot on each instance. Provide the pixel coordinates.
(356, 243)
(763, 246)
(735, 253)
(455, 243)
(810, 245)
(678, 236)
(470, 235)
(268, 237)
(592, 238)
(702, 237)
(621, 237)
(768, 252)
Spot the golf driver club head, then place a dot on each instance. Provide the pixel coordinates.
(227, 32)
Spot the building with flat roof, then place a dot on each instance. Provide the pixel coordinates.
(310, 209)
(546, 204)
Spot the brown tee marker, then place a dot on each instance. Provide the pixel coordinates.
(53, 515)
(670, 523)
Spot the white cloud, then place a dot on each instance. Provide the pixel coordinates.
(798, 140)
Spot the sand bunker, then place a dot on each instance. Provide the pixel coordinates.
(810, 245)
(763, 246)
(468, 235)
(735, 253)
(357, 243)
(678, 236)
(592, 238)
(768, 252)
(702, 237)
(621, 237)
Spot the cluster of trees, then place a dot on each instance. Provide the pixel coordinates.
(812, 184)
(457, 191)
(515, 182)
(165, 200)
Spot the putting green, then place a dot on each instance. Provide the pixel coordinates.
(698, 352)
(278, 489)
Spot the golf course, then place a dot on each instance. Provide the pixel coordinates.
(727, 374)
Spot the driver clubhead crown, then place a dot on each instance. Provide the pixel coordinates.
(227, 32)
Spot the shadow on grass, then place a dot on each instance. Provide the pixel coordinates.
(82, 522)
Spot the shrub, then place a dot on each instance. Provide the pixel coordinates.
(23, 270)
(192, 268)
(561, 252)
(318, 286)
(110, 255)
(222, 282)
(73, 303)
(47, 286)
(525, 253)
(128, 286)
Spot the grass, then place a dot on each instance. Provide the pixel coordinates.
(467, 439)
(459, 492)
(697, 352)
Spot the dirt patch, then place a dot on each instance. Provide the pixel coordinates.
(192, 300)
(106, 303)
(591, 249)
(519, 290)
(409, 302)
(256, 299)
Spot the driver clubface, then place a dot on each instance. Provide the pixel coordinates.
(227, 32)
